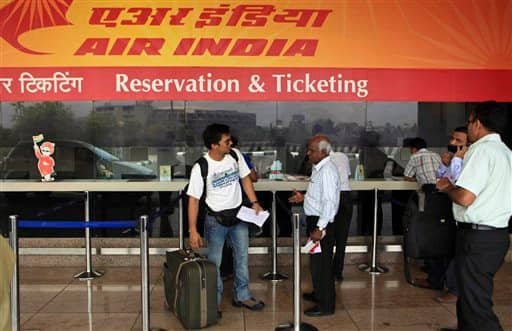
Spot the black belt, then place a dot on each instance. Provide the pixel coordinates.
(473, 226)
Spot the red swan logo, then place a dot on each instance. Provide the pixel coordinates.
(20, 16)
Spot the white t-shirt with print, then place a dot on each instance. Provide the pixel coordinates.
(222, 182)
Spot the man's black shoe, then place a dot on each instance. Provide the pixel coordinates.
(316, 312)
(424, 283)
(309, 296)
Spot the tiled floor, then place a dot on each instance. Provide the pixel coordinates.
(51, 299)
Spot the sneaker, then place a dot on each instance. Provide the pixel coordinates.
(251, 304)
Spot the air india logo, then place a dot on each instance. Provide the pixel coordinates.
(20, 16)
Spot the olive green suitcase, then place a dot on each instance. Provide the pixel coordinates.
(190, 284)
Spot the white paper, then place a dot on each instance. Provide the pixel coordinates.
(249, 215)
(312, 247)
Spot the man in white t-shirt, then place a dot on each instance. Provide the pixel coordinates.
(224, 182)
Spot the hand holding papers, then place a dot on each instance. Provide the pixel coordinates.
(249, 215)
(312, 247)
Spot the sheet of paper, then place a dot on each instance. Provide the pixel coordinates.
(312, 247)
(249, 215)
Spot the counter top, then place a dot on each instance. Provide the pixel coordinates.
(177, 185)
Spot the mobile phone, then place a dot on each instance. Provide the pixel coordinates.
(452, 148)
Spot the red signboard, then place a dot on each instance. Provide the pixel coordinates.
(253, 50)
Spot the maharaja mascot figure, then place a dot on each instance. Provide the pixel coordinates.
(45, 163)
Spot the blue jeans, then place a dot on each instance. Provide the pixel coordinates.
(238, 237)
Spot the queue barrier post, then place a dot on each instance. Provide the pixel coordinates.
(297, 325)
(274, 275)
(15, 288)
(372, 266)
(180, 222)
(144, 269)
(89, 273)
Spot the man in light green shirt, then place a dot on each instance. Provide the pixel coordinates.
(482, 208)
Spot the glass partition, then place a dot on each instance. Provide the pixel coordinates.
(126, 140)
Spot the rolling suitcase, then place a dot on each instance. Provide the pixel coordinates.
(190, 285)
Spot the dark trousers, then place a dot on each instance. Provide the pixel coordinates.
(399, 201)
(323, 282)
(451, 278)
(283, 214)
(165, 209)
(365, 212)
(436, 270)
(479, 255)
(341, 228)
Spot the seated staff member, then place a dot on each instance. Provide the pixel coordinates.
(321, 203)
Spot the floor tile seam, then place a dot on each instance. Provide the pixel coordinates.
(136, 319)
(28, 320)
(48, 302)
(352, 319)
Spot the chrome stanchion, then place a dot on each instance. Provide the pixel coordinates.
(274, 275)
(372, 267)
(89, 304)
(89, 273)
(180, 222)
(297, 325)
(144, 269)
(15, 288)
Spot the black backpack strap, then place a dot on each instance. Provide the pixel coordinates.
(233, 154)
(203, 166)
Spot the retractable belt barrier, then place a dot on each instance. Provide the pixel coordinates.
(144, 257)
